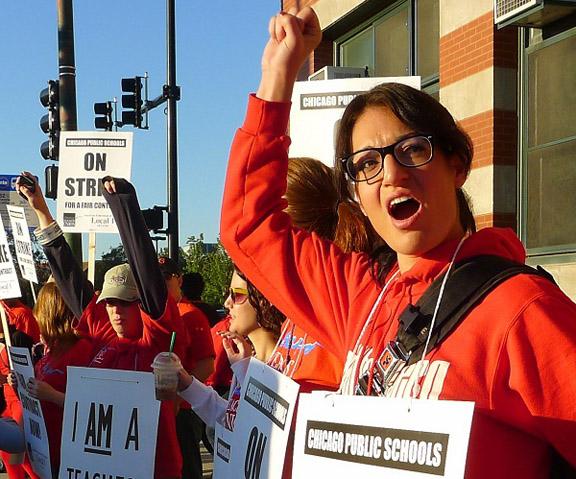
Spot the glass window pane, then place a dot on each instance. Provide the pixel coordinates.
(551, 196)
(391, 44)
(358, 51)
(552, 92)
(428, 37)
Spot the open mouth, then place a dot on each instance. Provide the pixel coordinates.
(403, 207)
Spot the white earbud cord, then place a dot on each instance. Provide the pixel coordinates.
(416, 389)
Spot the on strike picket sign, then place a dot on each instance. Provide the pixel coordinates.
(9, 286)
(258, 446)
(374, 437)
(85, 158)
(22, 243)
(110, 424)
(34, 426)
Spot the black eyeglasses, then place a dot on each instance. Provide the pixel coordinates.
(411, 152)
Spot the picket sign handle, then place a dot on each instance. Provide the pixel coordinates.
(91, 256)
(33, 291)
(7, 338)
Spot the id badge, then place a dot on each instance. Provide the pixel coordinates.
(386, 370)
(391, 362)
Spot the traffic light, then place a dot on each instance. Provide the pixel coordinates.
(50, 122)
(132, 101)
(154, 218)
(51, 177)
(103, 119)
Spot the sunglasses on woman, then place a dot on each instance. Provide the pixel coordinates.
(238, 295)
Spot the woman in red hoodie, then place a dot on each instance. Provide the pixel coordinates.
(404, 160)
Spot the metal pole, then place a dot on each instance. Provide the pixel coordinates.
(67, 90)
(172, 131)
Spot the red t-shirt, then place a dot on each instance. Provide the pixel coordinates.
(137, 355)
(52, 370)
(199, 340)
(222, 376)
(22, 318)
(200, 345)
(13, 406)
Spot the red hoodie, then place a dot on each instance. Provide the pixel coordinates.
(513, 355)
(138, 355)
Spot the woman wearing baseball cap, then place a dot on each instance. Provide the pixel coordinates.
(133, 317)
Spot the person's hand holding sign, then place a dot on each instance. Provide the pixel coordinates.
(44, 392)
(28, 187)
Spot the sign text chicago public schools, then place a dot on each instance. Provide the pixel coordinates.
(267, 402)
(319, 101)
(385, 447)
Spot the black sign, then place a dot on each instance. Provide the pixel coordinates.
(267, 402)
(416, 451)
(321, 101)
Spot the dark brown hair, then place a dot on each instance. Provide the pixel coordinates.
(422, 113)
(314, 204)
(268, 316)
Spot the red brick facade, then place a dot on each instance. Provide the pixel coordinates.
(474, 47)
(468, 50)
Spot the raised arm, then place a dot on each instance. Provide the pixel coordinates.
(308, 279)
(75, 288)
(121, 197)
(293, 37)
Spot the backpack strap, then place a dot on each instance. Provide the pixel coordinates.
(469, 281)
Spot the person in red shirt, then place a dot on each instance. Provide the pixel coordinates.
(16, 466)
(221, 378)
(63, 347)
(199, 361)
(404, 160)
(192, 288)
(134, 302)
(22, 318)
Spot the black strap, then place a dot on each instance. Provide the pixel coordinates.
(469, 281)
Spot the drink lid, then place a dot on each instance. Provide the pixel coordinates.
(166, 360)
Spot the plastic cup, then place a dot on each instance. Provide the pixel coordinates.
(165, 367)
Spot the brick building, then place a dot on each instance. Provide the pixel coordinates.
(511, 83)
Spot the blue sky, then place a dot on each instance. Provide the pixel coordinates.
(219, 43)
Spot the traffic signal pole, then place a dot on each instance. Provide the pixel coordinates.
(173, 96)
(67, 91)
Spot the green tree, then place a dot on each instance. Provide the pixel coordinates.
(114, 257)
(213, 263)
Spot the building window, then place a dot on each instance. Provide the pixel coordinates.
(428, 37)
(548, 160)
(402, 40)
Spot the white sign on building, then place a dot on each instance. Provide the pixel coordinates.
(22, 243)
(110, 424)
(85, 158)
(37, 446)
(317, 107)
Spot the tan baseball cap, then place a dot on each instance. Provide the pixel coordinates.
(119, 283)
